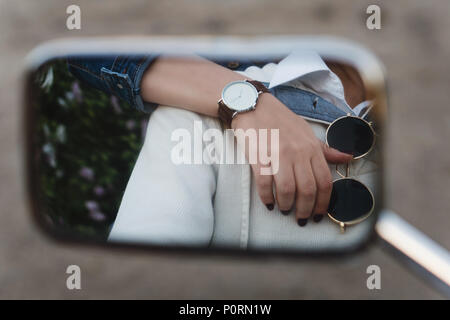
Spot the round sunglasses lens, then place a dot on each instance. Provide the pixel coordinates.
(350, 200)
(351, 135)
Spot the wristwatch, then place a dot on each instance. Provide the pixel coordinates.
(239, 97)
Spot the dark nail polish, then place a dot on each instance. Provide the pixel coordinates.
(285, 212)
(269, 206)
(317, 217)
(302, 222)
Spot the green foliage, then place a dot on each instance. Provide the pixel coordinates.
(88, 143)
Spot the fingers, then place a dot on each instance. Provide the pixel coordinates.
(306, 191)
(324, 186)
(308, 183)
(335, 156)
(264, 185)
(285, 188)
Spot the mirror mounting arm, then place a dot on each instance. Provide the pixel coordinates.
(425, 256)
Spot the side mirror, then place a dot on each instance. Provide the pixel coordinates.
(101, 169)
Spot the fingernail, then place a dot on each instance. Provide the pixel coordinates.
(302, 222)
(317, 217)
(269, 206)
(285, 212)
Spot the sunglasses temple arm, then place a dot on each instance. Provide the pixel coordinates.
(366, 112)
(425, 256)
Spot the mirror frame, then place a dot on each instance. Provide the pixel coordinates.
(332, 48)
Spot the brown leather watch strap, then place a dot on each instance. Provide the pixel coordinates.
(259, 86)
(225, 114)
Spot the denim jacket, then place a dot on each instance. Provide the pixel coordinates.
(122, 75)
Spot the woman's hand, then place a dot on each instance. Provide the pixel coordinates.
(303, 177)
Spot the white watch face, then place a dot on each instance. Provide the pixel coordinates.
(239, 95)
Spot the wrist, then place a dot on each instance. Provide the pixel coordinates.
(265, 100)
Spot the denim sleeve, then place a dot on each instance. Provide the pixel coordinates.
(118, 75)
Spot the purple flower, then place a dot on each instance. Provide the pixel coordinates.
(97, 216)
(87, 173)
(99, 191)
(50, 160)
(130, 124)
(49, 152)
(61, 133)
(62, 103)
(76, 91)
(69, 96)
(91, 205)
(115, 104)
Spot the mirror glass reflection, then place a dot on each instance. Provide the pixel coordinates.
(137, 149)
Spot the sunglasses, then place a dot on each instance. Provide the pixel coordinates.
(351, 200)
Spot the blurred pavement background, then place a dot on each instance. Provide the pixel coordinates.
(413, 44)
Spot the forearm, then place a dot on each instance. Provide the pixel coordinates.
(190, 83)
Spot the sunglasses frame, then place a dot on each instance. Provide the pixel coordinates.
(349, 115)
(343, 224)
